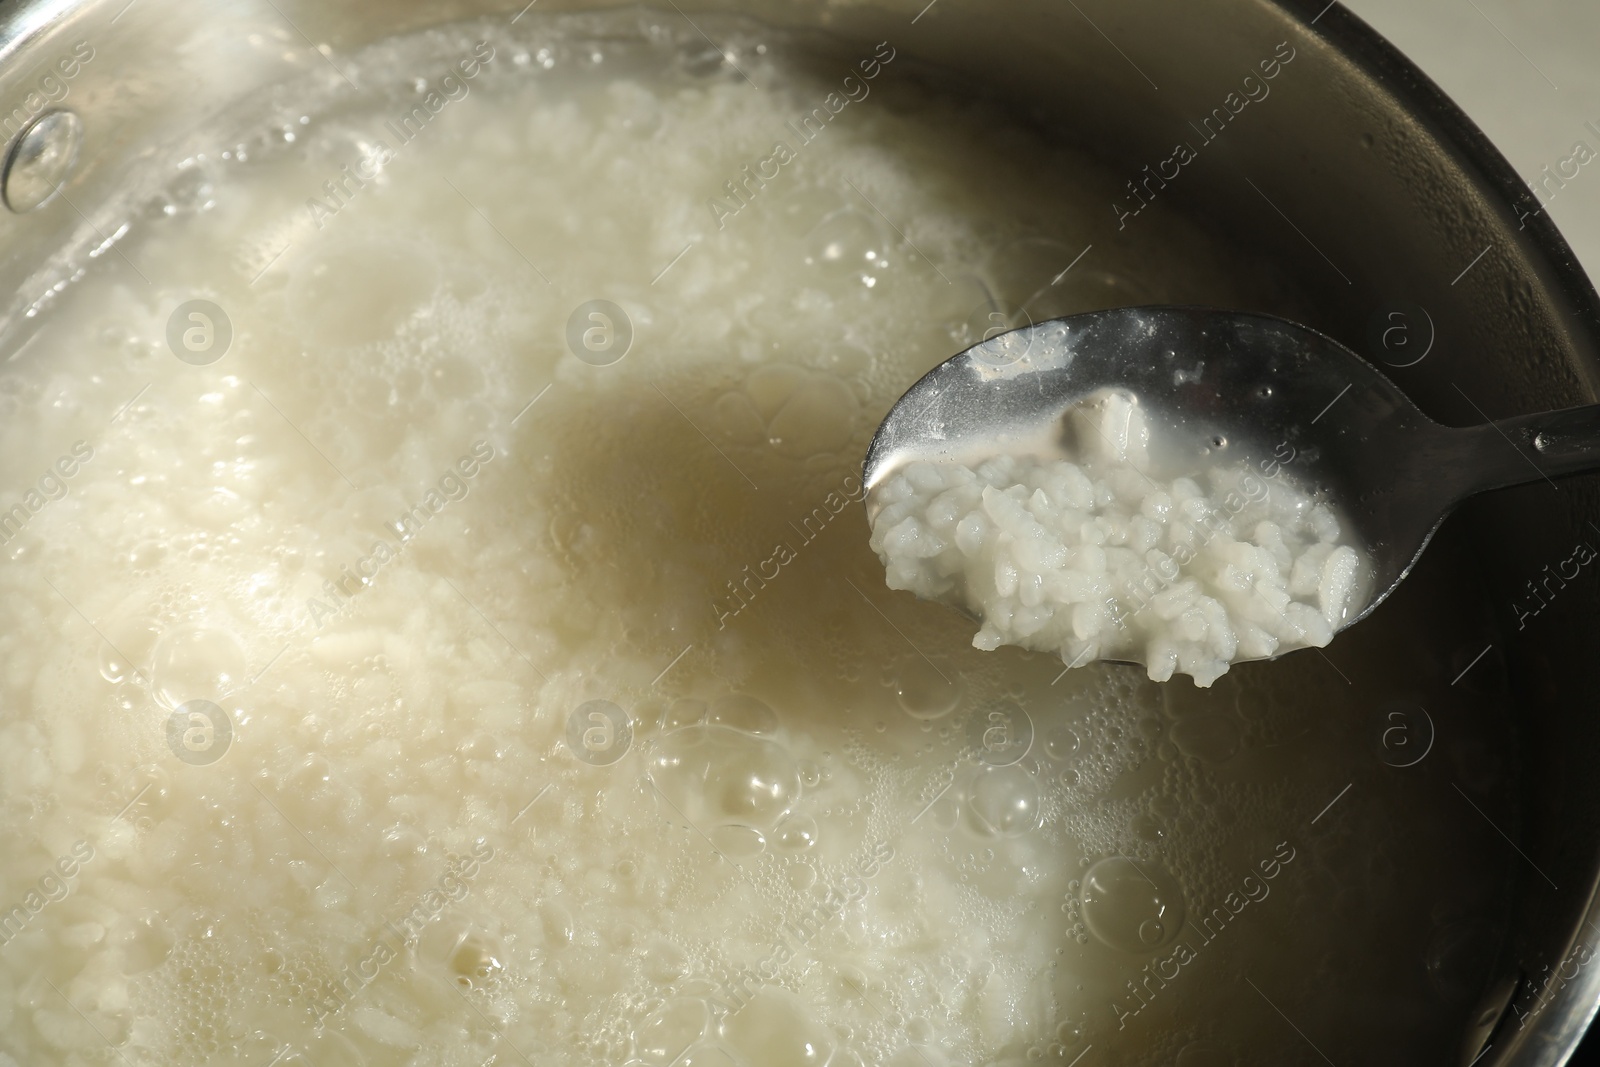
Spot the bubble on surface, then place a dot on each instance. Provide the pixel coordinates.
(1061, 743)
(848, 244)
(717, 776)
(197, 662)
(476, 960)
(797, 833)
(738, 842)
(1002, 802)
(1000, 733)
(745, 713)
(819, 417)
(774, 1030)
(134, 643)
(925, 693)
(325, 1047)
(681, 713)
(800, 413)
(810, 774)
(707, 1055)
(663, 962)
(676, 1025)
(1132, 905)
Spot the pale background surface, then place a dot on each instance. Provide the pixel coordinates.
(1528, 73)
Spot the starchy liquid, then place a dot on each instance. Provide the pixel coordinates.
(405, 659)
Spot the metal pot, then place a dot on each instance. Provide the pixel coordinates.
(1370, 192)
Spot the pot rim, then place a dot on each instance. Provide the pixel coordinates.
(1551, 1040)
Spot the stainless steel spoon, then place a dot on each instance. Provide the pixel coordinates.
(1280, 397)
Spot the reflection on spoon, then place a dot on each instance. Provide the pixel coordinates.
(1176, 487)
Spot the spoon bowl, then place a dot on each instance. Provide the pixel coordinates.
(1283, 399)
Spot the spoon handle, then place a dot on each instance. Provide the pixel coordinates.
(1526, 448)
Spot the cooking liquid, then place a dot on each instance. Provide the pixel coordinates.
(402, 688)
